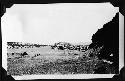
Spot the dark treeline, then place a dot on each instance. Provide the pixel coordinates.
(108, 36)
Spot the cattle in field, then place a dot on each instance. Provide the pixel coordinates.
(24, 54)
(81, 48)
(77, 47)
(36, 55)
(62, 46)
(72, 47)
(68, 48)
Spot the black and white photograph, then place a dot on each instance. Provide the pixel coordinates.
(61, 40)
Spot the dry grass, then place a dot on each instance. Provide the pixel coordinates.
(53, 62)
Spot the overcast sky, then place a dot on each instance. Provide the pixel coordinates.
(48, 24)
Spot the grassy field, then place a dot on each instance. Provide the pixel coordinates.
(51, 62)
